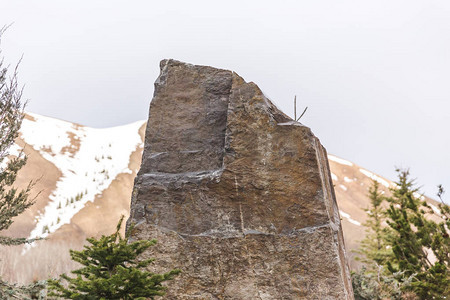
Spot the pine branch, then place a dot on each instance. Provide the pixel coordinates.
(9, 241)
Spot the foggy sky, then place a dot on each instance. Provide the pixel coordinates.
(374, 74)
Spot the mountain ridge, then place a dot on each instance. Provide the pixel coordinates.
(83, 191)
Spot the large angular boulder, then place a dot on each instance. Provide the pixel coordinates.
(238, 195)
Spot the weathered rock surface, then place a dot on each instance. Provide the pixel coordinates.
(237, 194)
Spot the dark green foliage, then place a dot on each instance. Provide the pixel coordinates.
(374, 252)
(12, 201)
(78, 196)
(366, 286)
(419, 261)
(111, 270)
(373, 281)
(369, 285)
(415, 239)
(36, 290)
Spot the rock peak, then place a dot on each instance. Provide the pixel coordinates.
(238, 194)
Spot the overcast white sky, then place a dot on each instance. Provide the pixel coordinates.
(374, 74)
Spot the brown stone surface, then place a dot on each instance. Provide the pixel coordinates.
(239, 196)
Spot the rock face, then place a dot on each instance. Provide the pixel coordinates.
(237, 194)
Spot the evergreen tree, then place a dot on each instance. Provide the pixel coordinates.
(373, 249)
(373, 281)
(36, 290)
(420, 245)
(111, 270)
(369, 285)
(12, 201)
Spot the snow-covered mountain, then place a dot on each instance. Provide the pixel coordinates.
(88, 158)
(85, 179)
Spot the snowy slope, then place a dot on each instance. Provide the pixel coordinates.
(88, 158)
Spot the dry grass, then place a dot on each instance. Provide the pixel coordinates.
(46, 260)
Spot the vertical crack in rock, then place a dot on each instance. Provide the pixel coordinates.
(217, 153)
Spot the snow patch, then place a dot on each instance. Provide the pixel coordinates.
(339, 160)
(346, 179)
(88, 158)
(343, 187)
(15, 151)
(419, 196)
(431, 256)
(334, 177)
(375, 177)
(349, 218)
(435, 209)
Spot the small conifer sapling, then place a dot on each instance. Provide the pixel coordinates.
(111, 270)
